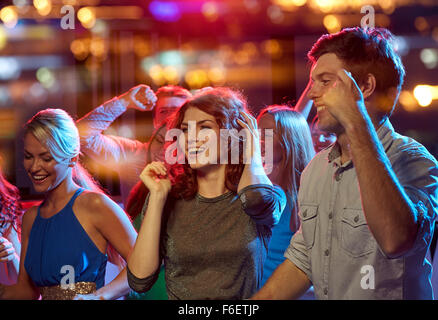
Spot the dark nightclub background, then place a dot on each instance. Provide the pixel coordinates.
(75, 54)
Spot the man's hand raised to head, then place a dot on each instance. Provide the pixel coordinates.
(344, 100)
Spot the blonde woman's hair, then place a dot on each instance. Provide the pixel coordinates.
(56, 129)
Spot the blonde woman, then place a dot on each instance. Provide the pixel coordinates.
(65, 239)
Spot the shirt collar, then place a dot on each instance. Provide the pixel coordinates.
(384, 134)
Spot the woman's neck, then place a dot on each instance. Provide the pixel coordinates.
(58, 196)
(211, 181)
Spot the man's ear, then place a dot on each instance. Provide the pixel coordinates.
(369, 86)
(73, 161)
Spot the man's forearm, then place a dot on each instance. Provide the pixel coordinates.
(286, 283)
(388, 210)
(100, 118)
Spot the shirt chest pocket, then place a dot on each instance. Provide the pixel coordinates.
(309, 215)
(356, 237)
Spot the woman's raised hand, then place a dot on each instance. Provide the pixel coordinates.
(154, 177)
(253, 151)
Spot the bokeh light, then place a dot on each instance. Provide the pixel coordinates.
(87, 17)
(45, 77)
(9, 16)
(429, 57)
(165, 11)
(424, 95)
(210, 11)
(407, 100)
(3, 37)
(332, 23)
(44, 7)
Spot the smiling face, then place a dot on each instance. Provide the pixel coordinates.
(203, 142)
(323, 76)
(44, 172)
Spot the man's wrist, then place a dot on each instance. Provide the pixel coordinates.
(358, 125)
(124, 101)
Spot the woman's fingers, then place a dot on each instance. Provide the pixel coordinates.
(5, 244)
(243, 124)
(6, 254)
(250, 120)
(154, 176)
(159, 168)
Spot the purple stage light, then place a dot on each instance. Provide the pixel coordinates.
(165, 11)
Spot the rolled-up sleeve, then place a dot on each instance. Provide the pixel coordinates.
(298, 254)
(141, 285)
(418, 175)
(263, 203)
(121, 154)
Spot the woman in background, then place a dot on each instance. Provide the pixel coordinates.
(292, 150)
(65, 239)
(10, 231)
(134, 204)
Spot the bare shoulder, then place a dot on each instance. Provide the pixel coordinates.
(103, 213)
(97, 206)
(93, 201)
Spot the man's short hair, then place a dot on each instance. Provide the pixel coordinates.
(365, 51)
(173, 91)
(170, 91)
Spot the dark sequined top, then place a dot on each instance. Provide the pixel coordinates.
(214, 248)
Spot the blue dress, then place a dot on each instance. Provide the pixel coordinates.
(61, 241)
(281, 235)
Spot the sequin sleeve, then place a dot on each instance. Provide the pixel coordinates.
(141, 285)
(263, 203)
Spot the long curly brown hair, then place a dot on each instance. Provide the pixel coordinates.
(225, 105)
(139, 192)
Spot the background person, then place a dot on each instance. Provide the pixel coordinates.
(127, 157)
(292, 151)
(10, 231)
